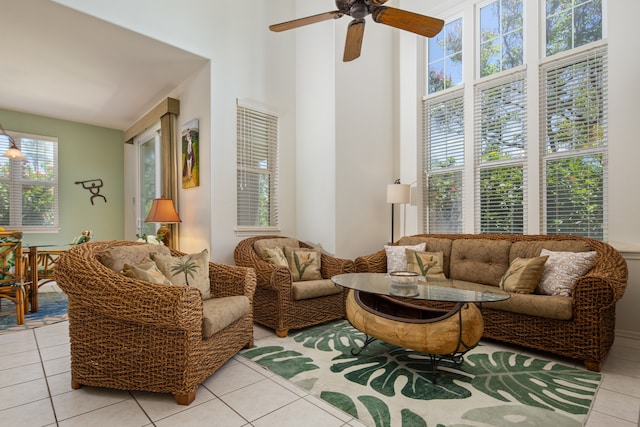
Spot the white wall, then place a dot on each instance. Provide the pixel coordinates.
(247, 62)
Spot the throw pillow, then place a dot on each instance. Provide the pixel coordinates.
(187, 270)
(147, 271)
(428, 264)
(304, 263)
(562, 270)
(275, 256)
(397, 256)
(523, 275)
(116, 257)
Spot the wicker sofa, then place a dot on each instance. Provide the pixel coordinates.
(132, 334)
(282, 304)
(586, 329)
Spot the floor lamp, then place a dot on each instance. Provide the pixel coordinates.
(397, 194)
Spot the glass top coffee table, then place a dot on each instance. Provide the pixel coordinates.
(373, 307)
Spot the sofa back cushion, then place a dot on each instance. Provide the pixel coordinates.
(281, 242)
(532, 248)
(116, 257)
(479, 260)
(434, 244)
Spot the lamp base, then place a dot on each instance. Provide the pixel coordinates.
(165, 232)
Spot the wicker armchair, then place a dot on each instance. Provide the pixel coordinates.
(274, 304)
(134, 335)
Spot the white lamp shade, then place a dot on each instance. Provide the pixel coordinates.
(398, 193)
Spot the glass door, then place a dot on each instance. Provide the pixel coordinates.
(148, 148)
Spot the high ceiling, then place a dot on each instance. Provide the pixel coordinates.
(60, 63)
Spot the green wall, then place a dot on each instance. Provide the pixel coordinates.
(84, 152)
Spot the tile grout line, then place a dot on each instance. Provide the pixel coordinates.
(46, 377)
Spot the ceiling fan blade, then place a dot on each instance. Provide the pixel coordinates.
(353, 45)
(289, 25)
(409, 21)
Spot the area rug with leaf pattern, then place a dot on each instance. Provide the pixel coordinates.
(390, 386)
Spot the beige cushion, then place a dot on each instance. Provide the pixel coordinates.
(397, 256)
(523, 275)
(562, 270)
(532, 248)
(479, 260)
(147, 271)
(115, 258)
(314, 289)
(304, 263)
(428, 264)
(281, 242)
(274, 256)
(550, 307)
(187, 270)
(434, 244)
(218, 313)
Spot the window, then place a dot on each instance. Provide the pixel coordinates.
(443, 161)
(445, 57)
(31, 186)
(574, 143)
(501, 36)
(257, 168)
(572, 23)
(501, 150)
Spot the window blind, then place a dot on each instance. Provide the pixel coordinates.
(573, 129)
(501, 150)
(30, 186)
(443, 162)
(257, 168)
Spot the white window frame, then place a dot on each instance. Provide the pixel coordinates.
(566, 59)
(266, 135)
(16, 183)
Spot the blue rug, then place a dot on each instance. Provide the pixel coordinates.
(52, 308)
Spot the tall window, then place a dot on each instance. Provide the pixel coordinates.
(257, 168)
(31, 186)
(572, 23)
(445, 57)
(501, 150)
(501, 36)
(444, 162)
(574, 147)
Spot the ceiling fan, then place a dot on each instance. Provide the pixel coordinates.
(358, 9)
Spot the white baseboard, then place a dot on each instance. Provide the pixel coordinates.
(628, 334)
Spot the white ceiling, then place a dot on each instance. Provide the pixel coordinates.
(60, 63)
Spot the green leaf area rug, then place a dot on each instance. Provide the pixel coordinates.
(390, 386)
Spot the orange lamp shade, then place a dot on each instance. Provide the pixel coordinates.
(162, 210)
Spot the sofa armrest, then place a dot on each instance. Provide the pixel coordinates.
(230, 280)
(374, 263)
(331, 266)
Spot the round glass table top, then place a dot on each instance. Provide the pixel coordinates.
(432, 289)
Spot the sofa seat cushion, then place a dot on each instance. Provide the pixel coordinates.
(479, 260)
(218, 313)
(551, 307)
(314, 288)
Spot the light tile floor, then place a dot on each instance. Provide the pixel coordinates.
(35, 391)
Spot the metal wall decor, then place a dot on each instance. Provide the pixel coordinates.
(94, 186)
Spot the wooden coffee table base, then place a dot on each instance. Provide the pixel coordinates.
(439, 333)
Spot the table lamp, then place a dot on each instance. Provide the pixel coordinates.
(163, 211)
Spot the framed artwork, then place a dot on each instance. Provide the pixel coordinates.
(190, 137)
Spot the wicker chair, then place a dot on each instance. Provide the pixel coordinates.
(12, 284)
(274, 304)
(134, 335)
(587, 336)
